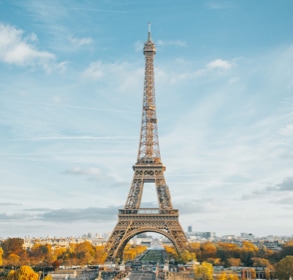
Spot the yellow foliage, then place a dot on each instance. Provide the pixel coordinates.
(289, 243)
(204, 271)
(227, 275)
(248, 246)
(234, 261)
(25, 273)
(130, 252)
(209, 250)
(1, 254)
(13, 259)
(10, 275)
(170, 250)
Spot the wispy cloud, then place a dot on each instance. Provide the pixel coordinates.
(177, 43)
(98, 10)
(78, 42)
(286, 185)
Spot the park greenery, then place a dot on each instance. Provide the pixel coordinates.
(26, 264)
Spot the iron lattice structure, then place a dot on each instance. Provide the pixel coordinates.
(133, 219)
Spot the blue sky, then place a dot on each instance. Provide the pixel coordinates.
(71, 88)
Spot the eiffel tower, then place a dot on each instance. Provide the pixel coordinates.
(133, 219)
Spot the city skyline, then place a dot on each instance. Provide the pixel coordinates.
(70, 113)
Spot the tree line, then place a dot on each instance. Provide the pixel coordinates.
(13, 254)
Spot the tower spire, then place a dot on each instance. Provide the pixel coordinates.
(149, 150)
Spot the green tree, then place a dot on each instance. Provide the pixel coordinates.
(284, 268)
(287, 249)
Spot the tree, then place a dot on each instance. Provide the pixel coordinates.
(41, 253)
(23, 273)
(13, 246)
(287, 249)
(1, 254)
(85, 252)
(284, 268)
(227, 251)
(248, 251)
(208, 250)
(186, 256)
(13, 260)
(203, 271)
(55, 264)
(233, 261)
(227, 275)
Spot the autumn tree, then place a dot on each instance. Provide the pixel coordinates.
(203, 271)
(1, 254)
(41, 253)
(101, 255)
(227, 275)
(186, 256)
(208, 250)
(261, 262)
(227, 251)
(13, 260)
(195, 247)
(284, 268)
(84, 253)
(248, 251)
(13, 246)
(23, 273)
(233, 262)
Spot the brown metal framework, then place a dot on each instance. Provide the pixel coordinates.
(133, 220)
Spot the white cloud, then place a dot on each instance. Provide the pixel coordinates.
(80, 171)
(220, 64)
(19, 50)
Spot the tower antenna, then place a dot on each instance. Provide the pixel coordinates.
(149, 28)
